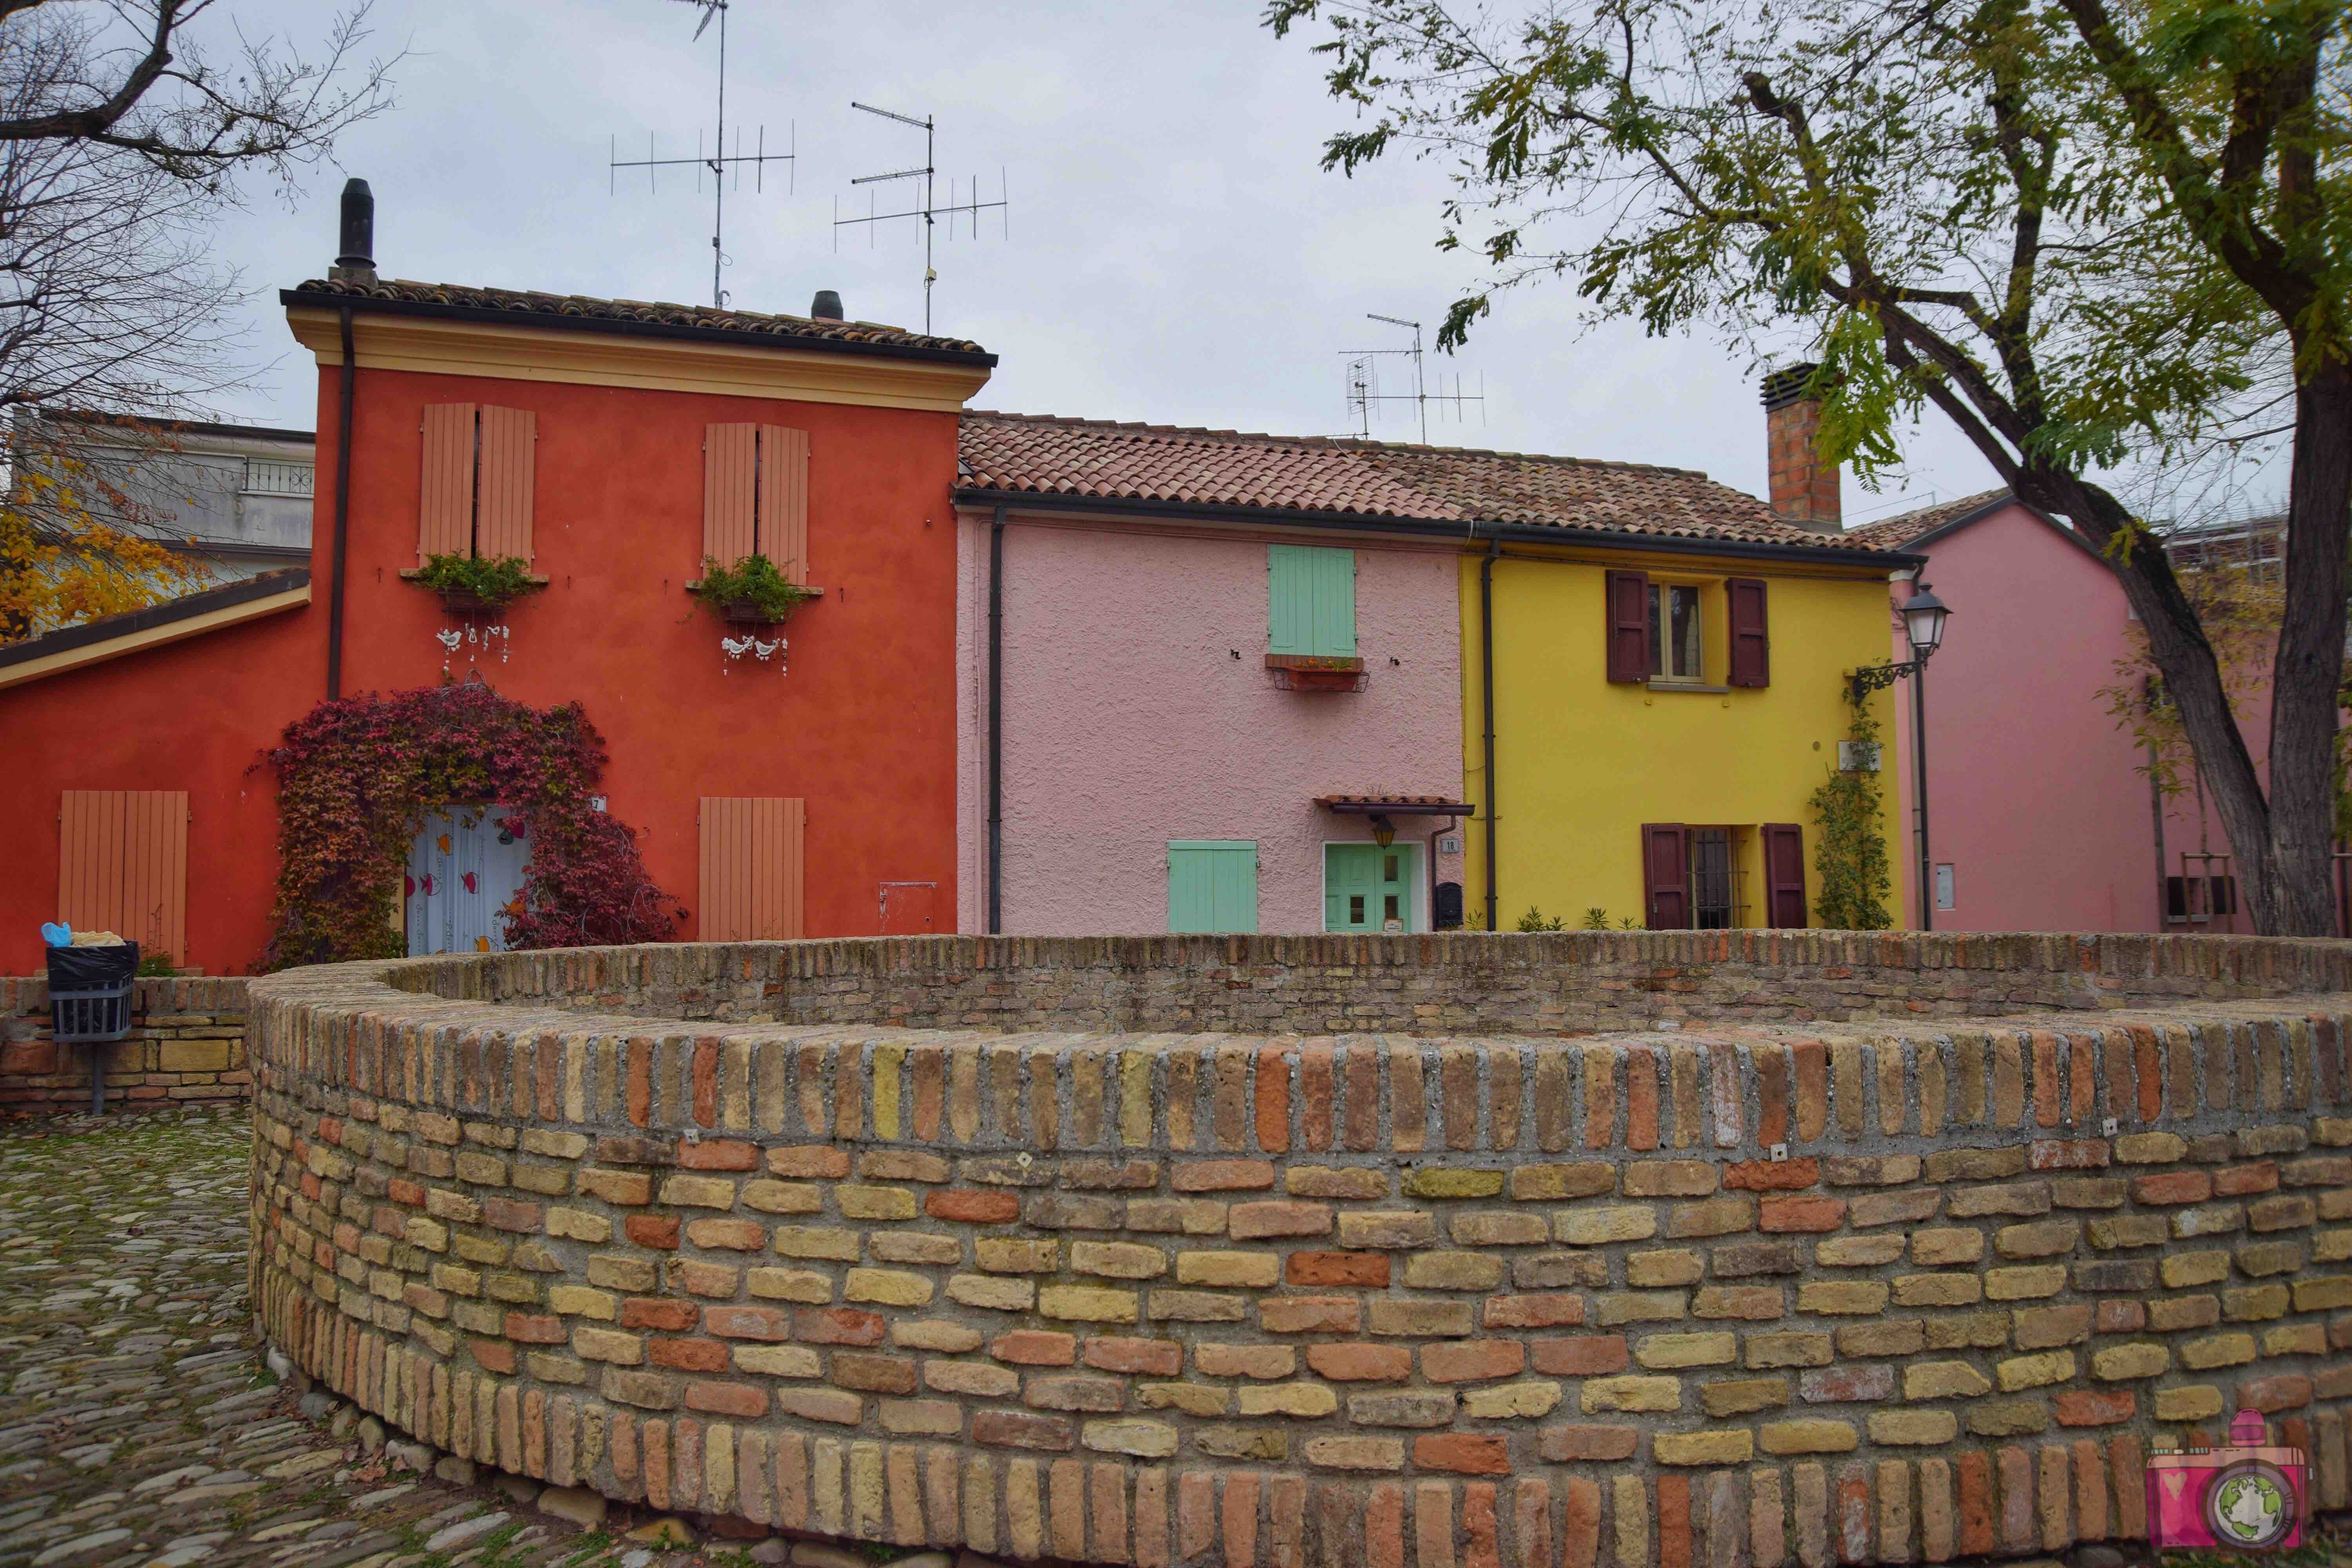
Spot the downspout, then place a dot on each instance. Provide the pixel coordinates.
(342, 515)
(1486, 695)
(996, 722)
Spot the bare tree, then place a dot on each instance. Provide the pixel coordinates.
(124, 139)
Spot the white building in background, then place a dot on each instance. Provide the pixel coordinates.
(236, 497)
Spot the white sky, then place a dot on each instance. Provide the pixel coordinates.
(1176, 254)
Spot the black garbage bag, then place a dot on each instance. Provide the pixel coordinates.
(92, 968)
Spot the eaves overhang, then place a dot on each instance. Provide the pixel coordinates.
(555, 322)
(1472, 533)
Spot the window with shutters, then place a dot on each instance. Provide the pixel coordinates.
(477, 491)
(751, 868)
(1706, 878)
(755, 496)
(1666, 633)
(1311, 601)
(123, 866)
(1212, 885)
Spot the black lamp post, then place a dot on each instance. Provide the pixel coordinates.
(1923, 622)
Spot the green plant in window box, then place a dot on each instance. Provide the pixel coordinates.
(470, 582)
(752, 592)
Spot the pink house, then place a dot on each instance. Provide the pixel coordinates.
(2040, 813)
(1156, 766)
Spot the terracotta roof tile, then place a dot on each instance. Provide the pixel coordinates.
(1894, 532)
(530, 302)
(1043, 455)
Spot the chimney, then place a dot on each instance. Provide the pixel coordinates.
(357, 263)
(1804, 487)
(825, 307)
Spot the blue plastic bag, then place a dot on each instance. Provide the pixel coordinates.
(58, 935)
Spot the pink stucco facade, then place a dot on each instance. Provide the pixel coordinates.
(1138, 709)
(2036, 798)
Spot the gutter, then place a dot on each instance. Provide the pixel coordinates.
(549, 320)
(343, 512)
(1443, 528)
(130, 622)
(995, 723)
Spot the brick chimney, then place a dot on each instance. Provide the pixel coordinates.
(1804, 487)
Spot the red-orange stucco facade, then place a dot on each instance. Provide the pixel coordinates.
(859, 724)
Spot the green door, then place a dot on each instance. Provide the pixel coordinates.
(1366, 886)
(1212, 885)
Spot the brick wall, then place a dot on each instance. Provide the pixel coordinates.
(1571, 983)
(1755, 1294)
(186, 1043)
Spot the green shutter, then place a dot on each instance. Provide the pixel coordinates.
(1212, 885)
(1311, 601)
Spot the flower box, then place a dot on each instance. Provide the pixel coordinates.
(1317, 672)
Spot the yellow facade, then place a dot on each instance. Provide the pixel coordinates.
(1582, 763)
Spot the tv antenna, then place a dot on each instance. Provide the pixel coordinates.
(719, 161)
(930, 212)
(1364, 384)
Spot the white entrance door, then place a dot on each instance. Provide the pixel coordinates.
(462, 872)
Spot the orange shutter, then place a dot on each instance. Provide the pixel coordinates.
(751, 869)
(445, 508)
(783, 499)
(729, 468)
(502, 516)
(122, 865)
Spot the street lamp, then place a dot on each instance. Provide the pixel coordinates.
(1924, 615)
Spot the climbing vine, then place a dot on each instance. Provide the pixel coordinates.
(1850, 851)
(355, 777)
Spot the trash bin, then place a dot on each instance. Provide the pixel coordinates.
(90, 1003)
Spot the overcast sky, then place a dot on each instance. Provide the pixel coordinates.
(1175, 254)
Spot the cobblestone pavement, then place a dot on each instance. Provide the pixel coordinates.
(139, 1426)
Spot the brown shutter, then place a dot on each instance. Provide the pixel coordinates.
(1784, 874)
(1751, 641)
(1629, 626)
(122, 865)
(1666, 874)
(751, 869)
(445, 504)
(783, 499)
(503, 486)
(730, 464)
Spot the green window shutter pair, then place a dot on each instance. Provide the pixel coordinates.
(1311, 601)
(1212, 885)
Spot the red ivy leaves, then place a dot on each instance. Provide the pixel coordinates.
(355, 776)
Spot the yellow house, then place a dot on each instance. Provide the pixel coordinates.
(1648, 711)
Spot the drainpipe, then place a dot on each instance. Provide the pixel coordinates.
(996, 722)
(342, 516)
(1450, 824)
(1486, 695)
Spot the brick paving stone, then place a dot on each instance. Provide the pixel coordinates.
(138, 1423)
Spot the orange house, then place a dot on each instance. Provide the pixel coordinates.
(612, 446)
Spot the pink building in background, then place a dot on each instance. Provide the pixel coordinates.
(2040, 815)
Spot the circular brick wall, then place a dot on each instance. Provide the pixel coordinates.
(1605, 1251)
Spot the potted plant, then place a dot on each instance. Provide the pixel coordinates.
(749, 593)
(469, 585)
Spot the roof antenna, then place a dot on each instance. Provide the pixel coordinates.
(1364, 384)
(930, 212)
(720, 161)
